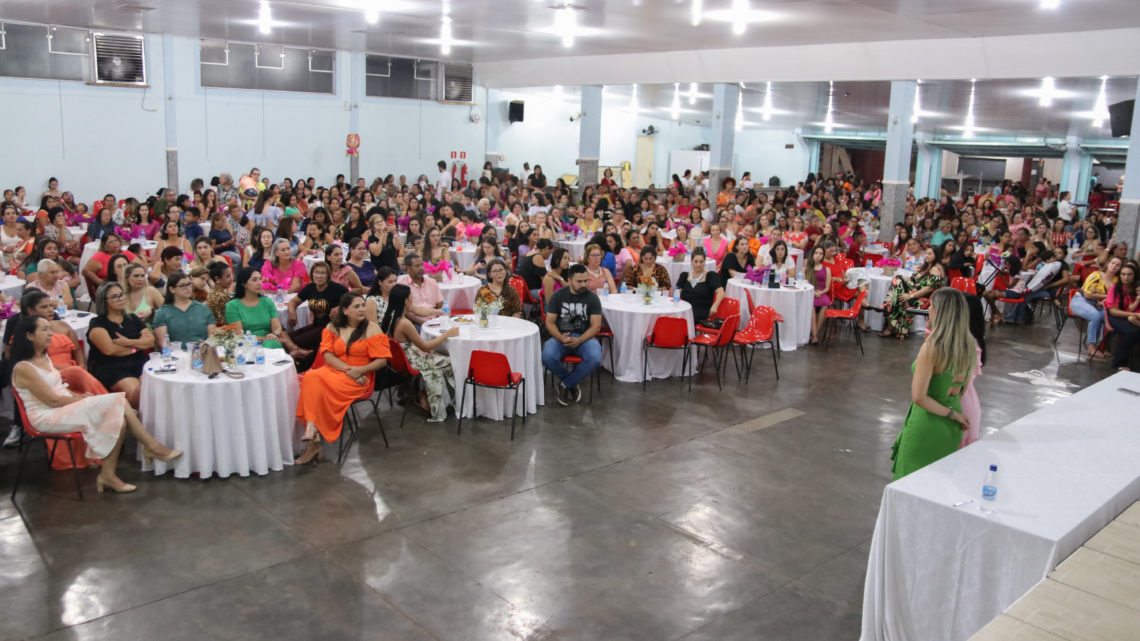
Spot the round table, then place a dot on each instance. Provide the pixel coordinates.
(92, 247)
(462, 256)
(460, 291)
(877, 285)
(576, 246)
(304, 317)
(312, 259)
(793, 303)
(675, 268)
(518, 339)
(223, 426)
(12, 286)
(631, 320)
(501, 230)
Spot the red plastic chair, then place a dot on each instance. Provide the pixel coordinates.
(491, 370)
(575, 361)
(728, 307)
(964, 284)
(668, 333)
(400, 365)
(718, 343)
(761, 329)
(953, 274)
(537, 310)
(850, 315)
(606, 335)
(67, 439)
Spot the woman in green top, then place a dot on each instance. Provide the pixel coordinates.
(182, 318)
(250, 311)
(934, 423)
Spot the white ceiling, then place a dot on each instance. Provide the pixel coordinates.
(1002, 107)
(497, 30)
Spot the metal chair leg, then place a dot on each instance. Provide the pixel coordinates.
(20, 471)
(74, 469)
(462, 404)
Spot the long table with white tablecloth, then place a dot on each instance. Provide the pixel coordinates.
(944, 562)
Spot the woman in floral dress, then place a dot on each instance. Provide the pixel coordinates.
(907, 292)
(435, 368)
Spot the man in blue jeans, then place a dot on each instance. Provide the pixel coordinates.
(573, 318)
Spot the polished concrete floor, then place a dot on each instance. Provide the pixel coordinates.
(655, 515)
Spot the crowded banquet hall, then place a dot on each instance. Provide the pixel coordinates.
(451, 311)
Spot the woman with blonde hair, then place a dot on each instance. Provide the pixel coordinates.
(942, 370)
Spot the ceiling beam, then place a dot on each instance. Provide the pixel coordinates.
(1113, 52)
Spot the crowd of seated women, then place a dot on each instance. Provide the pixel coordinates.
(376, 253)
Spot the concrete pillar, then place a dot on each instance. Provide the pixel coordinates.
(1128, 222)
(896, 166)
(494, 118)
(356, 64)
(922, 165)
(723, 136)
(169, 77)
(589, 135)
(934, 183)
(1071, 166)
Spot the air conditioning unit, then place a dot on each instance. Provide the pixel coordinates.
(456, 85)
(119, 59)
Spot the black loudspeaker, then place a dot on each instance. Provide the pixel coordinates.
(515, 111)
(1120, 116)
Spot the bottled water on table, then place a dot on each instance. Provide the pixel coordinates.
(623, 288)
(446, 308)
(989, 485)
(196, 357)
(61, 307)
(259, 356)
(240, 353)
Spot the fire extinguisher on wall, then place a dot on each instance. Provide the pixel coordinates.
(459, 172)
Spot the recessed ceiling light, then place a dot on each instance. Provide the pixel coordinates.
(695, 12)
(1050, 4)
(675, 109)
(264, 18)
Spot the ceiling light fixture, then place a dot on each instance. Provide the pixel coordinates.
(1050, 4)
(558, 92)
(692, 93)
(264, 18)
(566, 23)
(1048, 91)
(675, 110)
(766, 111)
(740, 10)
(372, 11)
(968, 126)
(695, 14)
(633, 100)
(445, 35)
(829, 122)
(1100, 110)
(738, 124)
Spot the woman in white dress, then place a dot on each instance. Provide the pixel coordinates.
(53, 409)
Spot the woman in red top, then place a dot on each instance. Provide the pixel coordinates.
(1123, 307)
(96, 268)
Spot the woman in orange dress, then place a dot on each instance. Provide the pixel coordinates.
(354, 349)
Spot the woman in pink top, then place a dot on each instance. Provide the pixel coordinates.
(283, 274)
(340, 272)
(715, 245)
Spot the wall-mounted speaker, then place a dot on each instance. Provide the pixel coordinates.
(1120, 117)
(515, 111)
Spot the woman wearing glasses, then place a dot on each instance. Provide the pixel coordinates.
(118, 342)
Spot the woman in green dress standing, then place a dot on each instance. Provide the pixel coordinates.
(934, 423)
(906, 293)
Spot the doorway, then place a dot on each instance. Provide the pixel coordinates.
(644, 162)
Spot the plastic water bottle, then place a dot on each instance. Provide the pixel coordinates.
(677, 295)
(185, 265)
(280, 298)
(800, 275)
(623, 288)
(167, 356)
(989, 485)
(446, 308)
(61, 307)
(240, 354)
(196, 358)
(259, 356)
(605, 291)
(868, 263)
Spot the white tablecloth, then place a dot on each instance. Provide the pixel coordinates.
(573, 245)
(877, 286)
(515, 337)
(793, 303)
(631, 321)
(462, 256)
(224, 426)
(460, 291)
(675, 269)
(304, 317)
(937, 571)
(312, 259)
(12, 286)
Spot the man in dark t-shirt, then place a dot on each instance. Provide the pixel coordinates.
(573, 318)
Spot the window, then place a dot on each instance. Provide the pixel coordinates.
(235, 65)
(29, 52)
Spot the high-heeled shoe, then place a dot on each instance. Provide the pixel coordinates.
(125, 488)
(311, 454)
(151, 456)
